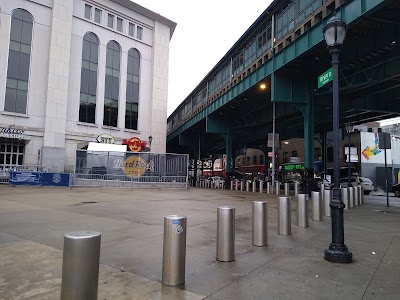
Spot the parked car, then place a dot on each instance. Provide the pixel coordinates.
(396, 189)
(365, 182)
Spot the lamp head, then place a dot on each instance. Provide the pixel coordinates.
(335, 32)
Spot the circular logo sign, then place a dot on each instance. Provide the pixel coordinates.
(134, 166)
(56, 178)
(134, 144)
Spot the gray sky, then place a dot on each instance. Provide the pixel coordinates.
(206, 30)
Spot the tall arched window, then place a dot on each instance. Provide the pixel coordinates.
(132, 89)
(19, 61)
(90, 50)
(111, 92)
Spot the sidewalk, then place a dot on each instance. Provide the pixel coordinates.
(34, 220)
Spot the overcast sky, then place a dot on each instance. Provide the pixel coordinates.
(206, 30)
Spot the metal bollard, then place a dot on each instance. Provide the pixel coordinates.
(278, 188)
(254, 186)
(174, 250)
(198, 183)
(268, 187)
(327, 200)
(351, 196)
(260, 223)
(247, 185)
(317, 206)
(284, 217)
(225, 234)
(261, 186)
(231, 184)
(296, 188)
(242, 187)
(345, 197)
(80, 269)
(355, 195)
(362, 196)
(236, 185)
(302, 210)
(359, 192)
(286, 184)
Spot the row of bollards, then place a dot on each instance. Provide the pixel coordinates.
(81, 256)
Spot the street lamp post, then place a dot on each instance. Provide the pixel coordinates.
(334, 34)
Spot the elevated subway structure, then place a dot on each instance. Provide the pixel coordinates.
(285, 50)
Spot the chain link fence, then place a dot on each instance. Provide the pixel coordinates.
(130, 170)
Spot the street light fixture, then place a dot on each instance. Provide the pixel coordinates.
(150, 140)
(334, 33)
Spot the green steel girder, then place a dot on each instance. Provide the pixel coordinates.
(349, 12)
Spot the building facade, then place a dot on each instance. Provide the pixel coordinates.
(72, 70)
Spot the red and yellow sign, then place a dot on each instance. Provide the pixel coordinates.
(134, 144)
(134, 166)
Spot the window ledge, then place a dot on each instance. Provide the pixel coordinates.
(87, 124)
(110, 127)
(14, 114)
(131, 130)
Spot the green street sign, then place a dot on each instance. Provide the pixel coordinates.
(325, 78)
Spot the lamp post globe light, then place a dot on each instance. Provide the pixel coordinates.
(335, 33)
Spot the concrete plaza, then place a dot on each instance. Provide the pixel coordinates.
(34, 220)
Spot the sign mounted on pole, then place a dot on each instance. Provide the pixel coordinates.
(325, 78)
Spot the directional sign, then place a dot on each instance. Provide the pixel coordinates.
(325, 78)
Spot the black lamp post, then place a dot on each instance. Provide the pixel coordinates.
(334, 34)
(150, 140)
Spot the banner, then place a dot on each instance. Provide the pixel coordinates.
(24, 178)
(54, 179)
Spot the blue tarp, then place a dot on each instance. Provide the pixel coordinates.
(39, 178)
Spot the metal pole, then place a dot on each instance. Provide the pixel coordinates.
(355, 191)
(286, 184)
(345, 197)
(261, 186)
(386, 173)
(174, 250)
(236, 184)
(317, 206)
(247, 185)
(284, 217)
(225, 234)
(254, 186)
(231, 184)
(360, 192)
(327, 200)
(337, 251)
(80, 269)
(362, 196)
(302, 210)
(273, 141)
(268, 187)
(260, 223)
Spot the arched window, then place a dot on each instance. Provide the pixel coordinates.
(111, 92)
(90, 57)
(132, 89)
(19, 61)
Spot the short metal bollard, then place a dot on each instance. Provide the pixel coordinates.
(302, 210)
(284, 217)
(198, 183)
(268, 187)
(360, 194)
(254, 186)
(225, 234)
(356, 201)
(345, 197)
(248, 185)
(286, 185)
(317, 206)
(231, 184)
(80, 269)
(236, 185)
(296, 188)
(277, 187)
(260, 223)
(261, 186)
(174, 250)
(327, 200)
(242, 187)
(351, 196)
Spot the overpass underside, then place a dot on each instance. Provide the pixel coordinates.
(369, 81)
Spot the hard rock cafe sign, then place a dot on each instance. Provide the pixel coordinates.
(134, 144)
(12, 133)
